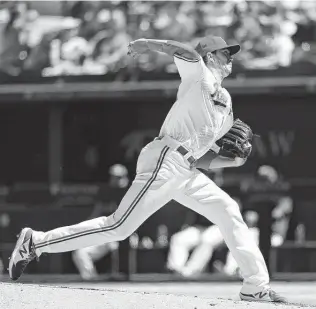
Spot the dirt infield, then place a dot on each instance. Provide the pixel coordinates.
(34, 296)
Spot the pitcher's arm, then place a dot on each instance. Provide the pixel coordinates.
(168, 47)
(212, 160)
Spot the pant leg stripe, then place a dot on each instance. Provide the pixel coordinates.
(123, 218)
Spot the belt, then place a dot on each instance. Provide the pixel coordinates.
(183, 151)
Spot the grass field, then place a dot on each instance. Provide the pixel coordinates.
(121, 295)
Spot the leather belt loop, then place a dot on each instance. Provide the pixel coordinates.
(184, 152)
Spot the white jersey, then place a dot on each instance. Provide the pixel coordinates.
(203, 110)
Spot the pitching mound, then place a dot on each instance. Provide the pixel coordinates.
(29, 296)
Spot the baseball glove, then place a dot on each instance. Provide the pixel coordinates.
(237, 141)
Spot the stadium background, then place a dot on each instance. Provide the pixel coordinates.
(72, 105)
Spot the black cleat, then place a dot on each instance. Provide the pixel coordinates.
(22, 254)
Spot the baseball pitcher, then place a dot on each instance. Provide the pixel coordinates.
(199, 131)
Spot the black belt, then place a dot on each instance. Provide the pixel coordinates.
(183, 151)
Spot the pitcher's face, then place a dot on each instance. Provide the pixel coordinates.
(226, 60)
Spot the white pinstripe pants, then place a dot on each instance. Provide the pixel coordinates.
(163, 174)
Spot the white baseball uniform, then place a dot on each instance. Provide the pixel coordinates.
(194, 122)
(231, 265)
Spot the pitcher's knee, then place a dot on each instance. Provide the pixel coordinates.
(122, 232)
(118, 230)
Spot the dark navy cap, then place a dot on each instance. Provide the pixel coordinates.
(213, 43)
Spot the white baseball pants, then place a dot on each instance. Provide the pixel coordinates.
(164, 174)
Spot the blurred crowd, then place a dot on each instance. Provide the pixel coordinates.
(80, 38)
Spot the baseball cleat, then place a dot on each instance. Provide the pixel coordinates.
(267, 295)
(22, 254)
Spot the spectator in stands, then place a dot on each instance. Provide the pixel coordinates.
(305, 37)
(13, 48)
(70, 46)
(216, 17)
(141, 16)
(46, 36)
(108, 49)
(66, 52)
(267, 47)
(250, 34)
(172, 22)
(86, 12)
(273, 34)
(282, 43)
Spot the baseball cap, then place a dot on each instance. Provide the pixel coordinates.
(213, 43)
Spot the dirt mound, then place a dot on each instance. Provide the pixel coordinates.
(33, 296)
